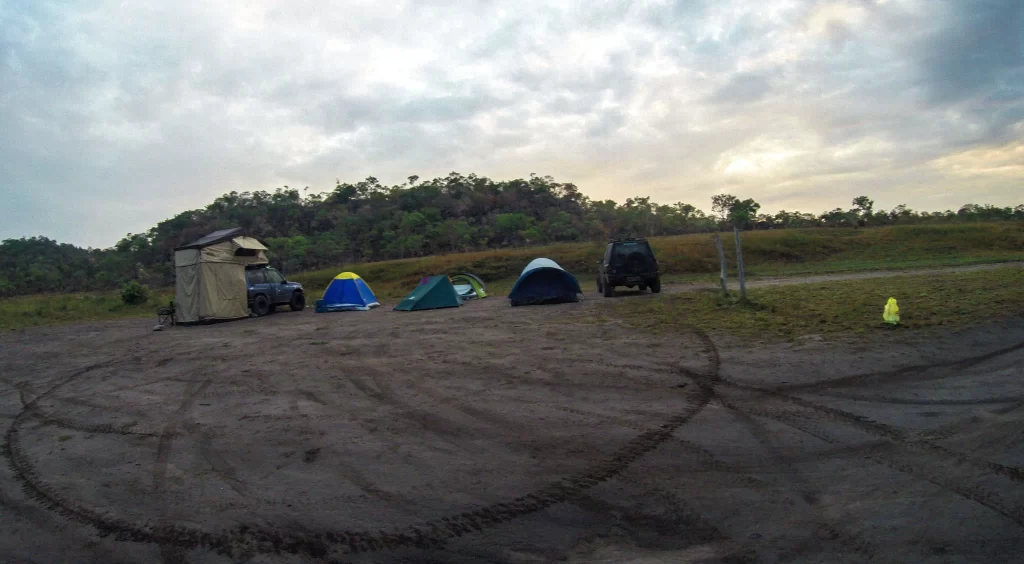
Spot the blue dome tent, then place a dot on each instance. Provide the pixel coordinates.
(544, 282)
(347, 292)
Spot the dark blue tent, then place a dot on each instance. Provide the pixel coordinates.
(544, 282)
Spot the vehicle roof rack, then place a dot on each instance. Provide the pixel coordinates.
(627, 239)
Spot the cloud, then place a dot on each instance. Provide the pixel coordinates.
(742, 88)
(117, 115)
(980, 50)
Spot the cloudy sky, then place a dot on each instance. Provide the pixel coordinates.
(115, 115)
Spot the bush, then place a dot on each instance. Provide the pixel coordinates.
(133, 293)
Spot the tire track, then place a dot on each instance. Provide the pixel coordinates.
(880, 430)
(922, 401)
(825, 527)
(166, 438)
(895, 437)
(905, 374)
(171, 553)
(702, 455)
(245, 539)
(220, 465)
(128, 428)
(901, 437)
(323, 544)
(883, 456)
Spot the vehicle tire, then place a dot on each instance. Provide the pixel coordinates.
(608, 290)
(656, 286)
(260, 305)
(298, 302)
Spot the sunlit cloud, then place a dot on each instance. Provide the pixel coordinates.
(117, 115)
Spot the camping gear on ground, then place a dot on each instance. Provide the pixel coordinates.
(210, 276)
(544, 282)
(469, 286)
(347, 292)
(432, 292)
(891, 313)
(165, 315)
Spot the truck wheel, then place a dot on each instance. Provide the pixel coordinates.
(656, 286)
(298, 302)
(260, 305)
(608, 290)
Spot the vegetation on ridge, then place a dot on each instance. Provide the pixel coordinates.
(367, 221)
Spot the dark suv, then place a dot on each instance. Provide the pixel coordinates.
(268, 289)
(629, 263)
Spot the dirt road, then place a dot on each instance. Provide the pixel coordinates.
(763, 282)
(496, 434)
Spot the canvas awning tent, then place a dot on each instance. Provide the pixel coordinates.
(469, 286)
(544, 282)
(433, 292)
(210, 276)
(347, 292)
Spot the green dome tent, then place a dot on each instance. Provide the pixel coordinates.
(469, 286)
(433, 292)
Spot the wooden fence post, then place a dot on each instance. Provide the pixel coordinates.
(739, 264)
(721, 259)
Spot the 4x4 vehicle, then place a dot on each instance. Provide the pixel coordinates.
(268, 289)
(629, 263)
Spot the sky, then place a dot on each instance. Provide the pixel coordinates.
(115, 115)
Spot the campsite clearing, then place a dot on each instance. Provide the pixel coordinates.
(487, 433)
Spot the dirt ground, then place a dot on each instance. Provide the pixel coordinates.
(496, 434)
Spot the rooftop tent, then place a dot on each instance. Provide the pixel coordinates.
(469, 286)
(432, 292)
(347, 292)
(209, 276)
(544, 282)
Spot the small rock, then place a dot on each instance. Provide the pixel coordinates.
(158, 328)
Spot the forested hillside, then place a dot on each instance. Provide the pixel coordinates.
(368, 221)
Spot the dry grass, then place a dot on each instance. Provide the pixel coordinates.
(844, 307)
(690, 257)
(682, 258)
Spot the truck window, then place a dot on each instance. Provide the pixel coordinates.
(256, 277)
(274, 277)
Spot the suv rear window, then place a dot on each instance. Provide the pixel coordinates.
(626, 248)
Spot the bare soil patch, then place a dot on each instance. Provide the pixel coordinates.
(496, 434)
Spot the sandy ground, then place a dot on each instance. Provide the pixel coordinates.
(496, 434)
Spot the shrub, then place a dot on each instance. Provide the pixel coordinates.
(133, 293)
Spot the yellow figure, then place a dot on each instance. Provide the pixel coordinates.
(891, 313)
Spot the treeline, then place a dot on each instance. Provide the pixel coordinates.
(368, 221)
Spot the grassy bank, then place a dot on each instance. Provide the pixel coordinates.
(683, 258)
(49, 309)
(843, 307)
(688, 257)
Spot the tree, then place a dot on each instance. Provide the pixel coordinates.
(742, 212)
(370, 221)
(721, 204)
(862, 207)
